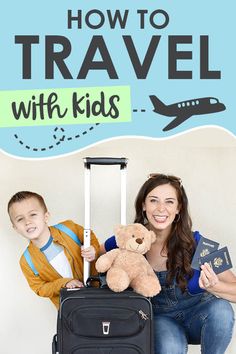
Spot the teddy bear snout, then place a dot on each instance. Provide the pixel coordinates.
(139, 241)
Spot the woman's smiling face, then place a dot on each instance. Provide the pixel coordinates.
(161, 207)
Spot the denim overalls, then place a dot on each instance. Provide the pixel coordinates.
(171, 299)
(182, 318)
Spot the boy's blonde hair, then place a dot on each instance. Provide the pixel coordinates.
(23, 195)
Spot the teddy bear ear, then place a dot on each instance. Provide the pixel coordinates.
(153, 236)
(118, 228)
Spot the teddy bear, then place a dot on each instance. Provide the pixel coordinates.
(126, 265)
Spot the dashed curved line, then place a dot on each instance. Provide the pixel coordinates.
(77, 136)
(57, 143)
(142, 110)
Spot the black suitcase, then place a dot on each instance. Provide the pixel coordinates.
(98, 320)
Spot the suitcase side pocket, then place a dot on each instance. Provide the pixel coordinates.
(105, 322)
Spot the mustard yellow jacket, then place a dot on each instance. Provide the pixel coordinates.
(49, 282)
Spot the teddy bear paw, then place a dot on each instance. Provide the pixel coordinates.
(102, 264)
(147, 286)
(117, 279)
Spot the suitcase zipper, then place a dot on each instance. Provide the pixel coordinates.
(143, 315)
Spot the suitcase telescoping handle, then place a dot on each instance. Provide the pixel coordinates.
(108, 161)
(122, 161)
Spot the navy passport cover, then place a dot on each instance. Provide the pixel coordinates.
(218, 260)
(204, 248)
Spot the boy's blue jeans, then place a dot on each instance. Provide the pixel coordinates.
(182, 319)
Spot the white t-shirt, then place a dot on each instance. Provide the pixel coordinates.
(57, 258)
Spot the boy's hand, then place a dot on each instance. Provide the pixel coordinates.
(74, 283)
(88, 253)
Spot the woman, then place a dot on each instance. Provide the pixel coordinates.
(193, 306)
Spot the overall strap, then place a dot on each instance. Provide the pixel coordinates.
(68, 232)
(29, 261)
(60, 227)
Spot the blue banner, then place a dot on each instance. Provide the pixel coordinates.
(176, 58)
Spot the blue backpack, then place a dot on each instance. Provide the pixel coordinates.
(60, 227)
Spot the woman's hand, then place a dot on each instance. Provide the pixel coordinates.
(89, 253)
(208, 278)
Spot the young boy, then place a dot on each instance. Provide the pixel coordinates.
(56, 257)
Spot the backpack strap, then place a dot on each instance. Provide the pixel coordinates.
(29, 261)
(68, 232)
(60, 227)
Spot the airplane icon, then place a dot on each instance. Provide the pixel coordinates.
(185, 109)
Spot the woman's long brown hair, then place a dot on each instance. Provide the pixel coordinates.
(180, 244)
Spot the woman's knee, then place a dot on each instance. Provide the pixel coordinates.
(218, 320)
(221, 316)
(221, 310)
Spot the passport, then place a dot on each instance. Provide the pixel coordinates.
(205, 247)
(218, 260)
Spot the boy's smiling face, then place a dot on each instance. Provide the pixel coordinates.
(29, 219)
